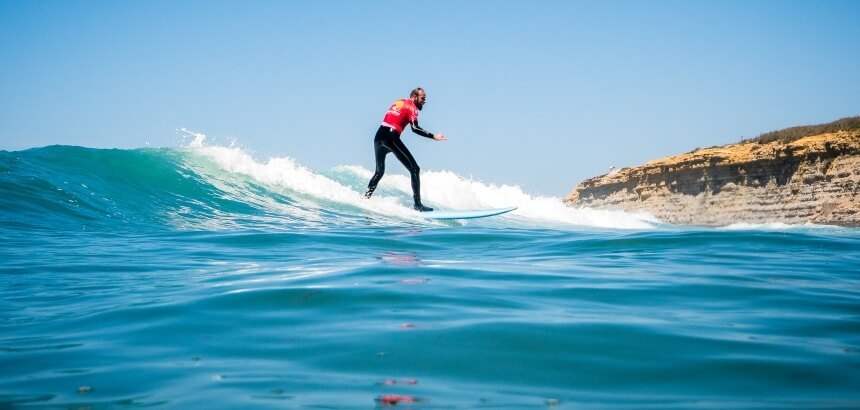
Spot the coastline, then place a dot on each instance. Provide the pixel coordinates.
(813, 179)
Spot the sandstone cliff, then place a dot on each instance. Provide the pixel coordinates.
(813, 179)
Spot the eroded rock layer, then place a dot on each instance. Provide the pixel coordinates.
(814, 179)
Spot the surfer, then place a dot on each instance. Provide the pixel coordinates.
(387, 139)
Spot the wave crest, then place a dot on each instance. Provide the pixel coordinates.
(202, 186)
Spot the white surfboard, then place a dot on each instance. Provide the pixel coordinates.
(475, 213)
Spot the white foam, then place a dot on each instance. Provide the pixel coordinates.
(772, 226)
(445, 189)
(198, 137)
(287, 173)
(455, 192)
(442, 189)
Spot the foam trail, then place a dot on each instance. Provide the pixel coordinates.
(445, 189)
(453, 191)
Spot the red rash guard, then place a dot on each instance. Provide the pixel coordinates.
(402, 112)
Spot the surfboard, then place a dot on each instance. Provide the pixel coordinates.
(470, 214)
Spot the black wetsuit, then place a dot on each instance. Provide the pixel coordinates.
(387, 140)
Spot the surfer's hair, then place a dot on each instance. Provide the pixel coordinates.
(415, 92)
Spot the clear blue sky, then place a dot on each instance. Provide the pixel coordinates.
(541, 94)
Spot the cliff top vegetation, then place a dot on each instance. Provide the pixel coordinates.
(796, 133)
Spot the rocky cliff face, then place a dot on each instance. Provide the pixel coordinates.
(814, 179)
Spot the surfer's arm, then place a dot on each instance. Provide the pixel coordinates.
(420, 131)
(424, 133)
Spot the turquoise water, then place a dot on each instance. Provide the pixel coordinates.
(200, 277)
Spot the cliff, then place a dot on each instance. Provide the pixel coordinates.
(811, 179)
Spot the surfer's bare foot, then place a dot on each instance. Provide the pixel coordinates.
(422, 208)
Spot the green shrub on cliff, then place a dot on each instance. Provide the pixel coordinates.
(796, 133)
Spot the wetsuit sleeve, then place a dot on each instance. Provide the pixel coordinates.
(420, 131)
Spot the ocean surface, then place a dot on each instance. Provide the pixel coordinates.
(201, 277)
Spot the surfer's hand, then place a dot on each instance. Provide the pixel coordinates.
(439, 137)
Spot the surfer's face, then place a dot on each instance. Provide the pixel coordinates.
(419, 100)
